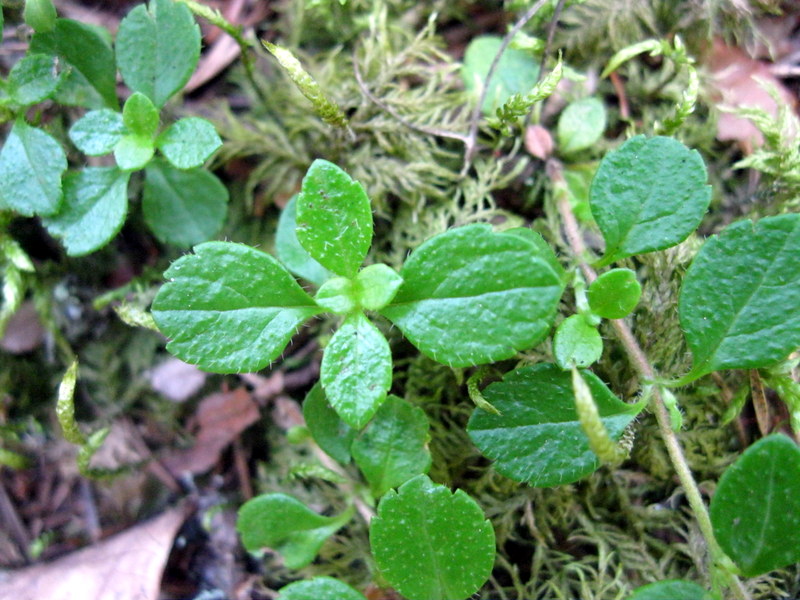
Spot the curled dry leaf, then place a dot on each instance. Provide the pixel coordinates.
(176, 380)
(220, 418)
(126, 566)
(741, 81)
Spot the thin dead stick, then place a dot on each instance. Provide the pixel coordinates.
(366, 511)
(645, 369)
(381, 104)
(472, 137)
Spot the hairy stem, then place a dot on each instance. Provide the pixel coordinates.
(640, 361)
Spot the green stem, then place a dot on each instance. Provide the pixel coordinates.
(721, 564)
(215, 17)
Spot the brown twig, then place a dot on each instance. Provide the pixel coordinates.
(13, 524)
(472, 136)
(381, 104)
(619, 88)
(760, 406)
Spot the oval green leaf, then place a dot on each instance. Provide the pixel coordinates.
(538, 438)
(576, 343)
(516, 73)
(471, 275)
(319, 588)
(95, 205)
(31, 164)
(88, 50)
(229, 308)
(337, 296)
(431, 544)
(580, 125)
(670, 590)
(356, 370)
(376, 286)
(140, 116)
(392, 448)
(40, 15)
(286, 525)
(289, 250)
(158, 48)
(133, 152)
(33, 79)
(648, 195)
(738, 302)
(334, 218)
(756, 508)
(330, 433)
(97, 132)
(183, 207)
(614, 294)
(189, 142)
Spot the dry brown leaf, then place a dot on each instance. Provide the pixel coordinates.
(176, 380)
(739, 81)
(24, 331)
(220, 418)
(126, 566)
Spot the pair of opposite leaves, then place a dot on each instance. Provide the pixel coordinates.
(231, 308)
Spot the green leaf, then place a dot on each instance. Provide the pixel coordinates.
(356, 370)
(330, 433)
(289, 250)
(334, 218)
(31, 164)
(88, 50)
(319, 588)
(738, 302)
(140, 116)
(471, 275)
(540, 248)
(229, 308)
(648, 195)
(581, 125)
(756, 508)
(40, 15)
(670, 590)
(578, 178)
(33, 79)
(516, 73)
(576, 343)
(133, 152)
(538, 438)
(376, 286)
(189, 142)
(95, 205)
(431, 544)
(392, 448)
(97, 132)
(286, 525)
(158, 48)
(614, 294)
(183, 207)
(337, 295)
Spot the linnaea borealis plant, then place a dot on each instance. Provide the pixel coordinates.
(473, 296)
